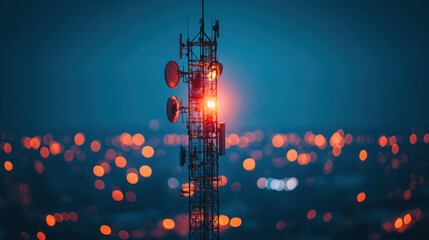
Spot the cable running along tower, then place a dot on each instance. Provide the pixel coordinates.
(206, 135)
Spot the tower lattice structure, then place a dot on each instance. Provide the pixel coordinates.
(202, 153)
(206, 136)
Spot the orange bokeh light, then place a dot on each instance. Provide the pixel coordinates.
(233, 139)
(407, 194)
(249, 164)
(98, 171)
(50, 220)
(7, 148)
(223, 220)
(382, 141)
(395, 148)
(327, 217)
(8, 166)
(413, 139)
(41, 236)
(44, 152)
(392, 140)
(398, 223)
(361, 197)
(235, 222)
(168, 223)
(132, 178)
(311, 214)
(292, 155)
(426, 138)
(407, 218)
(68, 155)
(348, 138)
(105, 230)
(55, 148)
(320, 141)
(303, 159)
(95, 146)
(126, 139)
(120, 162)
(363, 155)
(38, 166)
(79, 139)
(147, 151)
(117, 195)
(124, 235)
(278, 140)
(99, 184)
(35, 143)
(336, 151)
(138, 139)
(145, 171)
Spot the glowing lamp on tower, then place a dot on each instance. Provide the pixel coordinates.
(211, 104)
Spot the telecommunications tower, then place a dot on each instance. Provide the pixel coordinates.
(206, 135)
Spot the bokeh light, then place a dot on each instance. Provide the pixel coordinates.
(235, 222)
(79, 139)
(249, 164)
(145, 171)
(105, 230)
(168, 223)
(361, 197)
(148, 151)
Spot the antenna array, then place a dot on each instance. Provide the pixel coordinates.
(206, 135)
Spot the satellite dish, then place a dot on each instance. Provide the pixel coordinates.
(219, 69)
(172, 75)
(216, 28)
(173, 107)
(182, 155)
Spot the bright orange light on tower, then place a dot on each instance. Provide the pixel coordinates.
(210, 104)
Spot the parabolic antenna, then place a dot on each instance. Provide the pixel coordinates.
(172, 75)
(173, 107)
(219, 69)
(182, 155)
